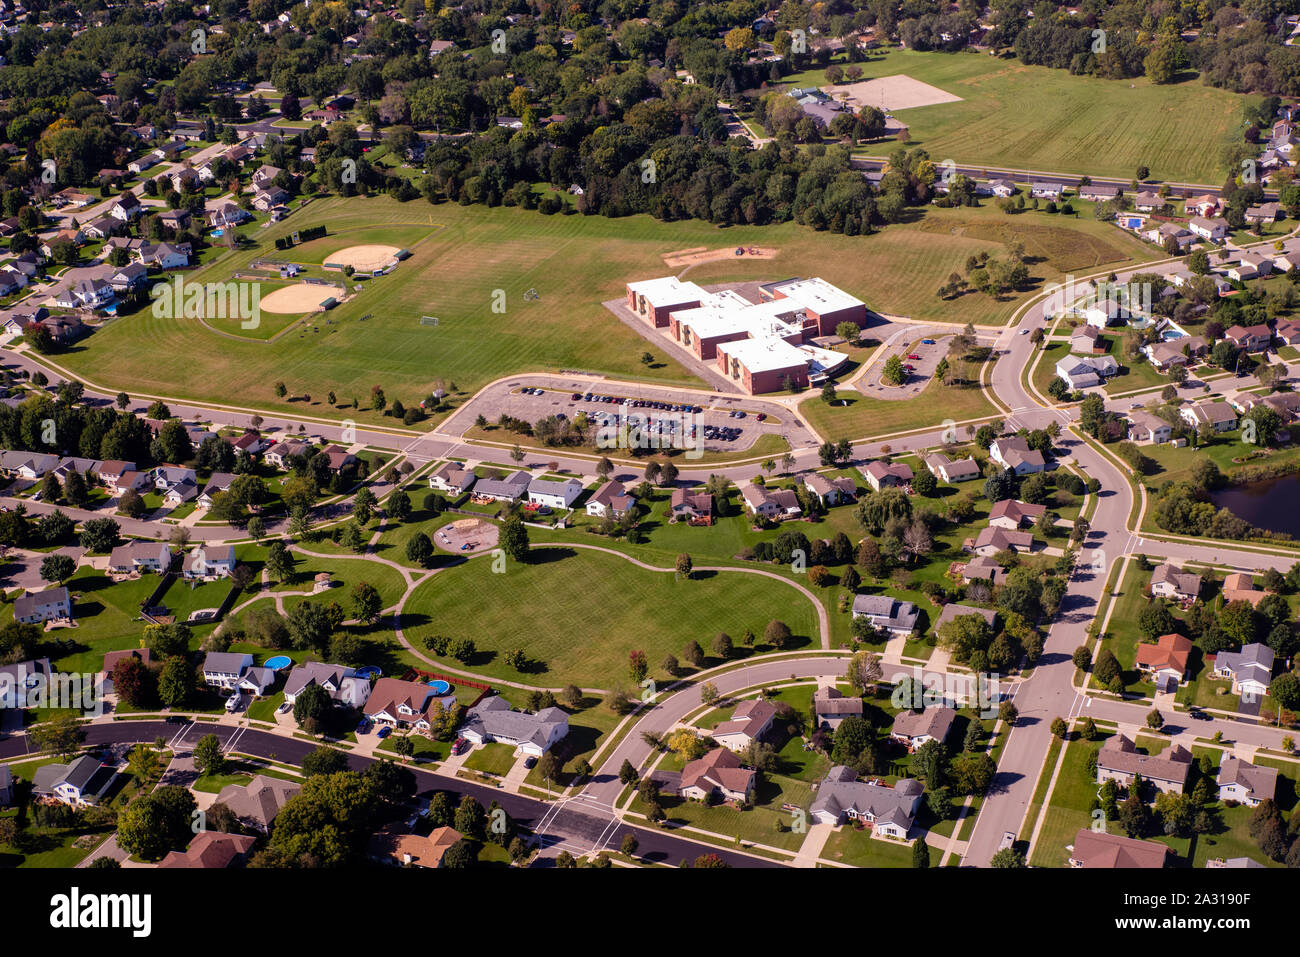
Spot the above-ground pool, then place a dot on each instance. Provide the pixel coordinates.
(369, 671)
(278, 662)
(1170, 334)
(439, 686)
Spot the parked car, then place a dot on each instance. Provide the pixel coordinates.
(530, 761)
(927, 342)
(914, 357)
(385, 731)
(460, 747)
(284, 708)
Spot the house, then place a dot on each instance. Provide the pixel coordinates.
(1011, 514)
(271, 198)
(952, 470)
(112, 658)
(1218, 415)
(1285, 404)
(52, 604)
(1002, 188)
(1246, 783)
(551, 494)
(1250, 669)
(256, 681)
(1204, 205)
(1170, 581)
(282, 454)
(895, 618)
(1165, 660)
(211, 561)
(492, 719)
(146, 162)
(881, 474)
(27, 465)
(830, 491)
(1164, 355)
(86, 294)
(451, 477)
(403, 704)
(1251, 338)
(1263, 213)
(265, 176)
(747, 724)
(982, 569)
(1287, 331)
(127, 208)
(140, 557)
(993, 539)
(1147, 201)
(256, 803)
(1215, 230)
(1120, 761)
(337, 458)
(1080, 372)
(611, 500)
(1145, 427)
(1239, 586)
(1161, 234)
(774, 505)
(914, 728)
(226, 216)
(510, 489)
(1099, 193)
(342, 683)
(830, 707)
(129, 278)
(1043, 190)
(889, 810)
(24, 678)
(695, 507)
(164, 255)
(1087, 340)
(1012, 452)
(223, 669)
(954, 610)
(1097, 849)
(392, 845)
(212, 850)
(717, 773)
(82, 783)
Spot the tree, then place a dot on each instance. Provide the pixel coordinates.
(637, 666)
(1155, 720)
(61, 735)
(208, 756)
(778, 634)
(420, 550)
(176, 683)
(863, 671)
(311, 707)
(1008, 858)
(1059, 728)
(156, 823)
(279, 563)
(99, 534)
(708, 692)
(722, 645)
(893, 372)
(684, 565)
(514, 538)
(366, 602)
(57, 568)
(324, 761)
(398, 506)
(920, 853)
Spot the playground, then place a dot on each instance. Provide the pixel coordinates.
(468, 536)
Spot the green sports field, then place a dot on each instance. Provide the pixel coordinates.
(1037, 118)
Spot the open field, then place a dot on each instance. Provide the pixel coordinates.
(1032, 117)
(898, 92)
(461, 256)
(865, 416)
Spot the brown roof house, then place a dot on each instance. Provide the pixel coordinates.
(1010, 514)
(717, 773)
(391, 845)
(1246, 783)
(887, 474)
(694, 507)
(1098, 849)
(212, 850)
(257, 803)
(1120, 761)
(748, 723)
(1241, 587)
(914, 728)
(830, 707)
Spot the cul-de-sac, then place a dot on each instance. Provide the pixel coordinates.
(510, 435)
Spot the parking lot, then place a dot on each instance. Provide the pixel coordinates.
(920, 357)
(727, 423)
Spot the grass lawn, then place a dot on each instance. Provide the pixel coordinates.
(1034, 117)
(1138, 375)
(493, 758)
(758, 824)
(426, 749)
(1069, 805)
(621, 608)
(856, 416)
(1226, 451)
(851, 846)
(1045, 371)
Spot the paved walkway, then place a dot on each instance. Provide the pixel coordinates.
(810, 851)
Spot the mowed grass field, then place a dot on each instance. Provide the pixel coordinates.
(461, 256)
(1037, 118)
(581, 613)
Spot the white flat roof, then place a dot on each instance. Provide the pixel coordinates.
(818, 295)
(728, 311)
(667, 290)
(765, 355)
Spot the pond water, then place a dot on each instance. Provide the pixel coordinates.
(1273, 504)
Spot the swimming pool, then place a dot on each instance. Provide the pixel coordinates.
(439, 686)
(370, 672)
(278, 663)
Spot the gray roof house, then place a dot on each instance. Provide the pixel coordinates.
(1250, 669)
(79, 784)
(340, 681)
(508, 489)
(831, 707)
(1170, 581)
(20, 679)
(890, 811)
(914, 728)
(53, 604)
(1245, 782)
(493, 720)
(223, 669)
(898, 618)
(257, 803)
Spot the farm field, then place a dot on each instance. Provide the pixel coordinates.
(1037, 118)
(573, 263)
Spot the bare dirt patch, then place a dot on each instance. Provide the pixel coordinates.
(366, 258)
(477, 533)
(692, 257)
(299, 298)
(889, 93)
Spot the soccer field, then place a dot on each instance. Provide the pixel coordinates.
(1031, 117)
(462, 256)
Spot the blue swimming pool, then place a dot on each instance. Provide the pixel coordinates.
(370, 672)
(278, 663)
(439, 686)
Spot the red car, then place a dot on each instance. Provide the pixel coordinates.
(907, 367)
(762, 416)
(914, 357)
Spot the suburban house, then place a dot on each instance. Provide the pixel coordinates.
(1002, 188)
(747, 724)
(140, 557)
(393, 845)
(1250, 669)
(52, 604)
(1164, 355)
(1012, 452)
(1218, 415)
(212, 850)
(1012, 514)
(217, 482)
(1099, 193)
(223, 669)
(956, 610)
(1254, 338)
(1165, 660)
(256, 803)
(914, 728)
(982, 569)
(1263, 213)
(22, 678)
(342, 683)
(1120, 761)
(509, 489)
(952, 470)
(993, 539)
(211, 561)
(830, 491)
(256, 680)
(830, 707)
(1146, 427)
(1097, 849)
(492, 719)
(552, 494)
(1206, 204)
(774, 505)
(889, 810)
(1087, 340)
(403, 704)
(283, 452)
(717, 773)
(1215, 230)
(695, 507)
(896, 618)
(111, 659)
(1239, 586)
(82, 783)
(611, 500)
(1147, 200)
(1246, 783)
(451, 478)
(1170, 581)
(1044, 190)
(880, 474)
(1080, 372)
